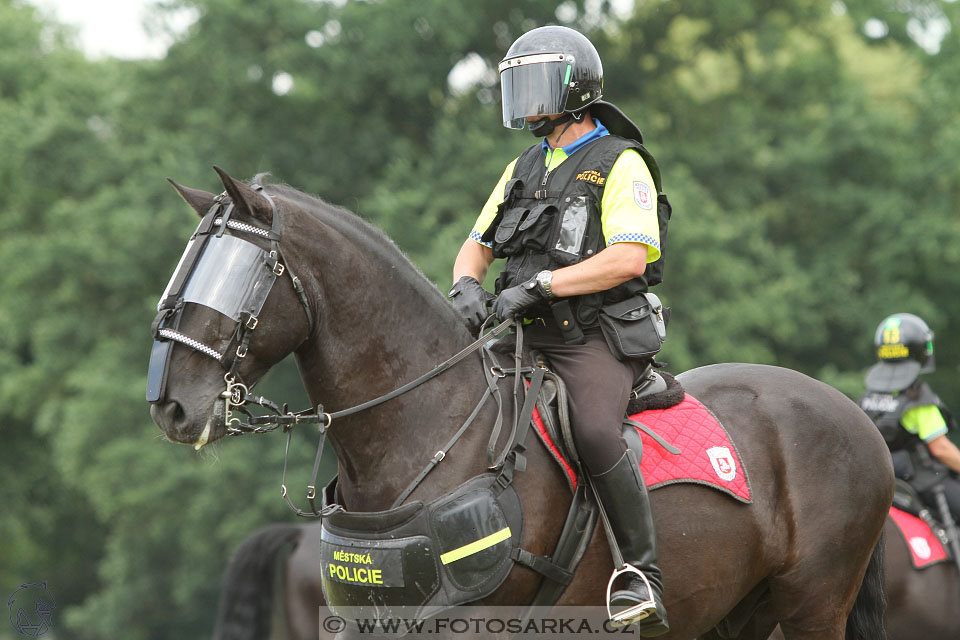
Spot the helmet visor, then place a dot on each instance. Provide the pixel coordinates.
(888, 377)
(534, 85)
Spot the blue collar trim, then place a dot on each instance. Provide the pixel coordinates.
(578, 144)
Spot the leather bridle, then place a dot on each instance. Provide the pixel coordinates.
(166, 324)
(236, 395)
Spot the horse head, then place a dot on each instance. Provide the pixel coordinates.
(232, 309)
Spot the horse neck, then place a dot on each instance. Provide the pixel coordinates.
(380, 325)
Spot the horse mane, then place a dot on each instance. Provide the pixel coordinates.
(363, 233)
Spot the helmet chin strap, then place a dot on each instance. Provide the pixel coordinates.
(544, 126)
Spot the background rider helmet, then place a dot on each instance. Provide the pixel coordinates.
(904, 345)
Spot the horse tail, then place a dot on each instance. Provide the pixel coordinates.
(246, 594)
(865, 621)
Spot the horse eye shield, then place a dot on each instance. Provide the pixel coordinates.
(224, 273)
(231, 276)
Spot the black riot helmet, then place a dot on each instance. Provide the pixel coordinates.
(904, 345)
(546, 71)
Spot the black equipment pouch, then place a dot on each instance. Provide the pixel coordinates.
(903, 465)
(419, 559)
(567, 322)
(634, 328)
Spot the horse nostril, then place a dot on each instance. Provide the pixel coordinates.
(167, 415)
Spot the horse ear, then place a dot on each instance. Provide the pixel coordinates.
(245, 198)
(201, 201)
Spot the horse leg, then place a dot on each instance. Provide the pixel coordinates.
(813, 615)
(752, 619)
(823, 613)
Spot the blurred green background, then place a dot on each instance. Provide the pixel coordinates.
(811, 150)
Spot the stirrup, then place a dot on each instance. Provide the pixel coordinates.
(637, 612)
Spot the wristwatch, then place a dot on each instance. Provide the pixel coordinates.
(545, 280)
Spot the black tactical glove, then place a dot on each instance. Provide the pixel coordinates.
(515, 300)
(471, 300)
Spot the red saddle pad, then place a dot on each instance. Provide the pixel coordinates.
(925, 547)
(707, 454)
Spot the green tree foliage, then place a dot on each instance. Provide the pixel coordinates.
(812, 163)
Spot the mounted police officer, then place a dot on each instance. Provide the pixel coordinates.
(581, 221)
(913, 420)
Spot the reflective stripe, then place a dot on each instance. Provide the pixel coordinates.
(176, 336)
(623, 220)
(476, 546)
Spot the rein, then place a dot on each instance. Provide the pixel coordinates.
(287, 420)
(284, 418)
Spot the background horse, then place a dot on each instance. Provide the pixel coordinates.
(821, 476)
(252, 580)
(920, 604)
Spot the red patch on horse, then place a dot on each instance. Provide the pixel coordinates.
(707, 455)
(925, 547)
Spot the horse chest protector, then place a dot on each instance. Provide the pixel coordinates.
(420, 559)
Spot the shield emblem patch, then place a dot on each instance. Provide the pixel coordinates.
(642, 195)
(921, 548)
(723, 463)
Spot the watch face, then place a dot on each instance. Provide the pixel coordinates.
(544, 279)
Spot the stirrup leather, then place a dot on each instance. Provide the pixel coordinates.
(637, 612)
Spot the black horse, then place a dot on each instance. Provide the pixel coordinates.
(362, 320)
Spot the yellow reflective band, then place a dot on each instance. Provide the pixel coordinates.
(890, 351)
(475, 547)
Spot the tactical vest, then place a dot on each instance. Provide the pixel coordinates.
(886, 411)
(550, 220)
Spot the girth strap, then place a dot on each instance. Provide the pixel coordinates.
(542, 565)
(571, 547)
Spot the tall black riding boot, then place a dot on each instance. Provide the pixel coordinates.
(638, 599)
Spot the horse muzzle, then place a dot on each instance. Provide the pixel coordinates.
(179, 427)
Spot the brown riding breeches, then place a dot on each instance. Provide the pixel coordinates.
(598, 387)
